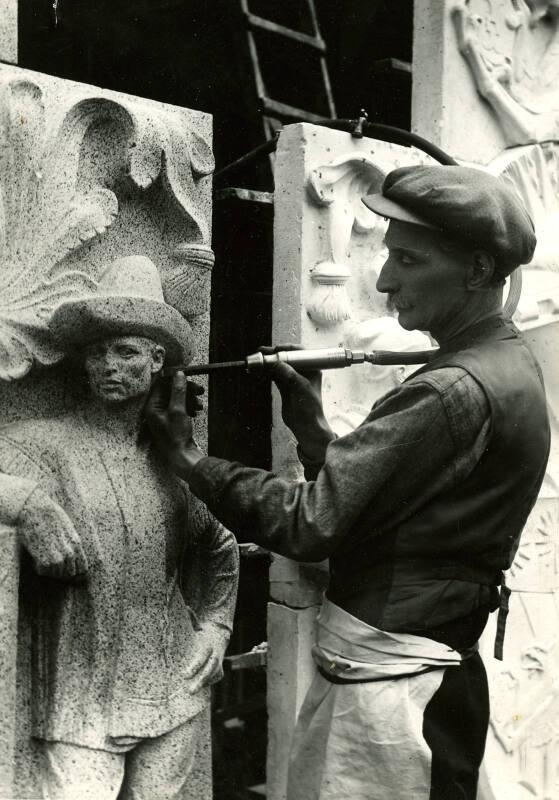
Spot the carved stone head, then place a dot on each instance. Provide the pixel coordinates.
(122, 368)
(129, 303)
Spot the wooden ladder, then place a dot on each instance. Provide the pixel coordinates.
(309, 48)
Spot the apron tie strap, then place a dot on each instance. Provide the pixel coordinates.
(502, 619)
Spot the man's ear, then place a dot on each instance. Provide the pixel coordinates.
(480, 271)
(158, 355)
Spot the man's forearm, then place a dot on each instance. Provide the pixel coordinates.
(312, 446)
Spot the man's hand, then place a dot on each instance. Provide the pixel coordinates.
(207, 667)
(301, 409)
(171, 425)
(48, 535)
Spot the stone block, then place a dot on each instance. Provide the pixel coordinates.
(485, 75)
(295, 584)
(290, 670)
(9, 583)
(106, 261)
(8, 31)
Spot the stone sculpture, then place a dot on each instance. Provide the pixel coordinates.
(79, 165)
(512, 49)
(123, 654)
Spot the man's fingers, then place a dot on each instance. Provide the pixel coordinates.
(268, 350)
(179, 388)
(287, 378)
(193, 403)
(196, 388)
(157, 402)
(283, 373)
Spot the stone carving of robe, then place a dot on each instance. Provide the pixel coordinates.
(110, 653)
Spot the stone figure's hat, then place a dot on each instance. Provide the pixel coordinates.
(129, 302)
(463, 202)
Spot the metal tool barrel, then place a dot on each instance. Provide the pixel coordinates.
(328, 358)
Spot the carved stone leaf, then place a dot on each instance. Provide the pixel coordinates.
(160, 151)
(87, 215)
(43, 217)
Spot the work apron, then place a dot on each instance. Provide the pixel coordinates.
(360, 734)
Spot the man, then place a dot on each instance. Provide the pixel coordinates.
(124, 659)
(419, 509)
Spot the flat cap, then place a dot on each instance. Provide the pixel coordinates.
(466, 203)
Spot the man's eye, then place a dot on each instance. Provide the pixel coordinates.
(405, 259)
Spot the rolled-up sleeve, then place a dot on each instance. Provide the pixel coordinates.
(401, 455)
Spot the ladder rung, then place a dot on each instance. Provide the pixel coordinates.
(284, 111)
(272, 27)
(391, 65)
(251, 196)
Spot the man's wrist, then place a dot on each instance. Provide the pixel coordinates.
(185, 461)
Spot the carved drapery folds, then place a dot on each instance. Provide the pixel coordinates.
(59, 191)
(533, 172)
(512, 49)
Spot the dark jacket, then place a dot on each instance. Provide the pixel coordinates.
(421, 507)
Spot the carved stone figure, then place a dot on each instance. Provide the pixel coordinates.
(125, 652)
(512, 48)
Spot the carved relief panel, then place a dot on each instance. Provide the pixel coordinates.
(97, 190)
(512, 50)
(485, 74)
(87, 175)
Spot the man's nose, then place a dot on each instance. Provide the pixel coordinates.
(386, 281)
(109, 364)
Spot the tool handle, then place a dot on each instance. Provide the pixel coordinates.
(393, 357)
(306, 360)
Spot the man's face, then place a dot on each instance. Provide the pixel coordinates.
(424, 283)
(121, 368)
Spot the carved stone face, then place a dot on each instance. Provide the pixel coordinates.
(121, 368)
